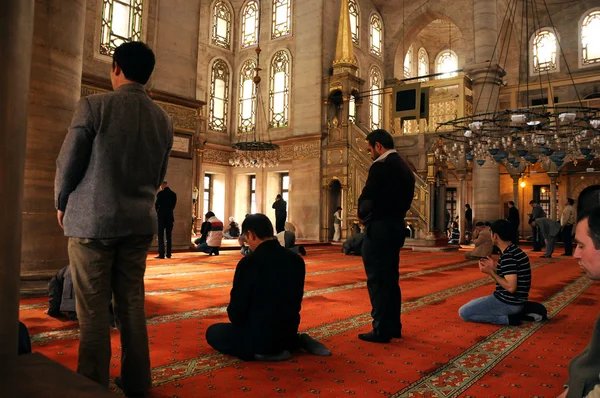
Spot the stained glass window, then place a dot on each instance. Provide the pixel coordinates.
(544, 51)
(376, 99)
(423, 64)
(590, 32)
(250, 21)
(282, 18)
(247, 101)
(219, 96)
(280, 90)
(121, 23)
(408, 62)
(446, 63)
(376, 36)
(354, 21)
(221, 31)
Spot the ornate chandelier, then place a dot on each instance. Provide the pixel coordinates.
(529, 134)
(254, 147)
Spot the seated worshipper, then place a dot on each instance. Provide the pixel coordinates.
(214, 235)
(265, 303)
(204, 228)
(62, 295)
(549, 230)
(454, 234)
(24, 341)
(287, 239)
(512, 275)
(353, 245)
(483, 242)
(232, 231)
(585, 367)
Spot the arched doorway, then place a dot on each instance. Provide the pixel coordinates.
(335, 200)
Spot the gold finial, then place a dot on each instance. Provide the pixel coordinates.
(344, 49)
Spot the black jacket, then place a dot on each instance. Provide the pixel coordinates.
(266, 297)
(388, 192)
(280, 207)
(165, 204)
(513, 216)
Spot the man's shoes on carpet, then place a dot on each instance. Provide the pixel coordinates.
(313, 346)
(374, 337)
(514, 320)
(545, 256)
(282, 356)
(397, 335)
(132, 394)
(161, 257)
(168, 256)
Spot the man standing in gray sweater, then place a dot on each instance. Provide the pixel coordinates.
(111, 164)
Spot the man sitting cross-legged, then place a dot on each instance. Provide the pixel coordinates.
(483, 242)
(512, 275)
(266, 298)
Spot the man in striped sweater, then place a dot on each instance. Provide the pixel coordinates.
(512, 275)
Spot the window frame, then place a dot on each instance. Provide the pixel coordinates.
(251, 191)
(286, 92)
(374, 71)
(285, 193)
(372, 50)
(214, 27)
(355, 37)
(274, 32)
(423, 79)
(242, 78)
(226, 110)
(437, 59)
(410, 57)
(580, 61)
(98, 54)
(207, 190)
(532, 71)
(243, 16)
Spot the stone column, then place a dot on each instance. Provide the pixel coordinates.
(553, 177)
(462, 200)
(516, 190)
(486, 77)
(441, 202)
(56, 66)
(16, 31)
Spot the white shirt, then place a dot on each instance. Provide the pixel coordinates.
(384, 155)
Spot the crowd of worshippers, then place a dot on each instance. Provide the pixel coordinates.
(108, 245)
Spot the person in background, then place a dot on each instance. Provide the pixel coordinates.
(214, 235)
(483, 242)
(468, 219)
(536, 212)
(166, 200)
(454, 234)
(567, 220)
(514, 219)
(232, 231)
(337, 224)
(549, 229)
(287, 239)
(280, 207)
(110, 166)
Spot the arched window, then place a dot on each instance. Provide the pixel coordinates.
(354, 21)
(282, 18)
(121, 23)
(376, 99)
(219, 96)
(543, 52)
(250, 21)
(352, 109)
(279, 93)
(221, 31)
(247, 101)
(408, 62)
(590, 32)
(423, 64)
(376, 35)
(445, 63)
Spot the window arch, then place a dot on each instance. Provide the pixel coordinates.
(376, 35)
(121, 23)
(408, 62)
(376, 99)
(446, 62)
(589, 31)
(352, 109)
(250, 21)
(221, 29)
(219, 96)
(279, 93)
(247, 97)
(354, 21)
(282, 18)
(543, 51)
(423, 64)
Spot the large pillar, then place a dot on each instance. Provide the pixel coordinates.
(486, 77)
(16, 30)
(462, 201)
(515, 199)
(441, 203)
(56, 66)
(553, 177)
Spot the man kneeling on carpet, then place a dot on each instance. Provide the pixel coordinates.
(512, 275)
(265, 303)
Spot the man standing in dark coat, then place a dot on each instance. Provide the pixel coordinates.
(536, 212)
(514, 219)
(382, 206)
(280, 207)
(165, 204)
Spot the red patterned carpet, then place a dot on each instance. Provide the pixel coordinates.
(438, 355)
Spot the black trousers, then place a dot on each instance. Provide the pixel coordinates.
(280, 224)
(164, 227)
(381, 257)
(538, 239)
(227, 339)
(567, 231)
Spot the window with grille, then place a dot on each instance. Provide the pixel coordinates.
(279, 93)
(408, 62)
(285, 186)
(207, 198)
(219, 96)
(423, 64)
(250, 23)
(354, 21)
(451, 202)
(446, 63)
(376, 35)
(221, 29)
(247, 97)
(252, 195)
(543, 50)
(376, 100)
(590, 32)
(282, 18)
(121, 23)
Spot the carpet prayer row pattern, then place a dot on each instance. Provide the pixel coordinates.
(438, 356)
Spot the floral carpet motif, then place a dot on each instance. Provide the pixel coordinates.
(438, 356)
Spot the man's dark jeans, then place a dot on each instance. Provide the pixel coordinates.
(164, 228)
